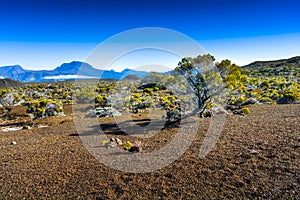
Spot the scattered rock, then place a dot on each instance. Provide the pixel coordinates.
(91, 113)
(103, 112)
(113, 142)
(238, 112)
(61, 114)
(110, 144)
(42, 126)
(296, 146)
(118, 141)
(173, 114)
(7, 100)
(26, 127)
(231, 107)
(253, 151)
(249, 101)
(152, 85)
(8, 129)
(134, 149)
(218, 111)
(107, 112)
(13, 142)
(286, 100)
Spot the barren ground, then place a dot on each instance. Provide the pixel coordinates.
(256, 156)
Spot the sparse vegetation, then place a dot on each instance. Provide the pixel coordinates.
(250, 85)
(167, 97)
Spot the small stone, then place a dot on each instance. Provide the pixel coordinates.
(111, 144)
(26, 127)
(118, 141)
(252, 151)
(219, 110)
(134, 149)
(13, 143)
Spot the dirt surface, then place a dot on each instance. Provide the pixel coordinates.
(256, 156)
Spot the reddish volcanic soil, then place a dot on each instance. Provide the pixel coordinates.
(257, 156)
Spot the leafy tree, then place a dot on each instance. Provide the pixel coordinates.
(205, 60)
(224, 67)
(164, 80)
(232, 74)
(199, 73)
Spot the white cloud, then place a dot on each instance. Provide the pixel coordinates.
(2, 77)
(69, 77)
(32, 79)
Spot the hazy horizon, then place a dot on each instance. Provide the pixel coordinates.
(37, 56)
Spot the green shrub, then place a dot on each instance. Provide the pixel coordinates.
(265, 100)
(68, 101)
(44, 108)
(289, 97)
(100, 100)
(291, 94)
(17, 98)
(148, 91)
(4, 92)
(136, 95)
(127, 146)
(265, 83)
(156, 89)
(236, 100)
(100, 90)
(166, 101)
(245, 110)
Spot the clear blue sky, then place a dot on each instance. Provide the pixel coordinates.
(45, 33)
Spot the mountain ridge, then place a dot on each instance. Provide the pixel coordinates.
(293, 61)
(66, 71)
(82, 70)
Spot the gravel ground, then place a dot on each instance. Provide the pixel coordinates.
(257, 156)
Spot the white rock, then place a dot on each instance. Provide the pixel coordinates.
(8, 129)
(26, 127)
(118, 141)
(253, 151)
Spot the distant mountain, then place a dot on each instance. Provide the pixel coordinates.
(81, 70)
(6, 83)
(67, 71)
(13, 72)
(73, 68)
(294, 61)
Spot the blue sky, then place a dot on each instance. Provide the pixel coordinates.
(43, 34)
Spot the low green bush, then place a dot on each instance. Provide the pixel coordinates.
(245, 110)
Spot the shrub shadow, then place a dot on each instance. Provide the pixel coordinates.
(134, 127)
